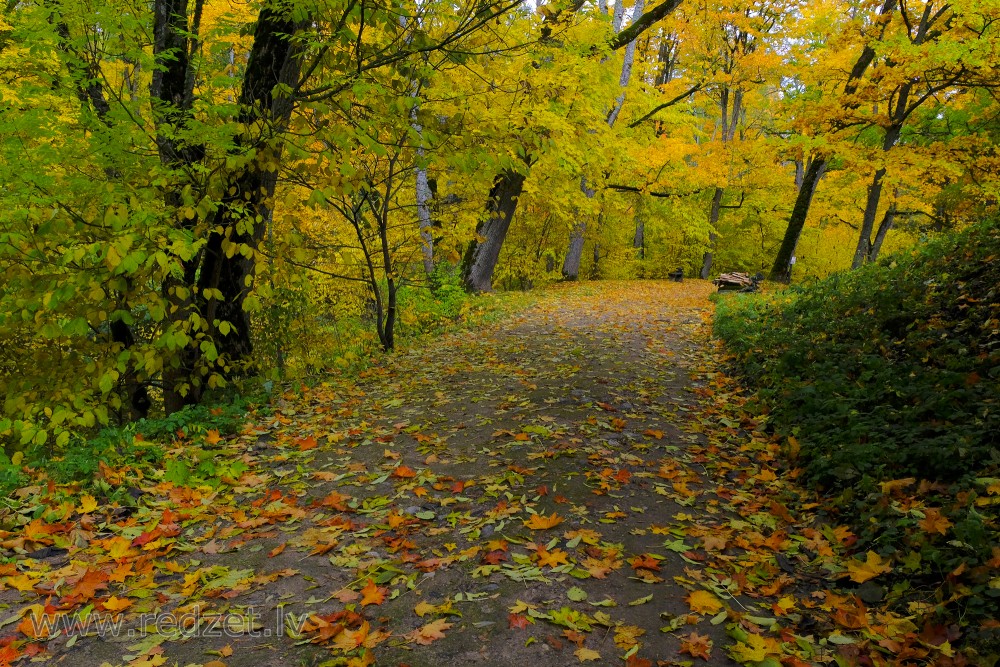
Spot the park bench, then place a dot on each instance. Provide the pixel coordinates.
(738, 282)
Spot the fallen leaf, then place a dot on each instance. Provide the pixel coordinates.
(539, 522)
(430, 632)
(703, 602)
(862, 571)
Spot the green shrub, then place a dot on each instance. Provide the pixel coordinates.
(890, 371)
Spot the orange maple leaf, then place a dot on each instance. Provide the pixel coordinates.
(430, 632)
(698, 646)
(404, 472)
(88, 585)
(552, 558)
(372, 594)
(539, 522)
(518, 621)
(306, 443)
(935, 522)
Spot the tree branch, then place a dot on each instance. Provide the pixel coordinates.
(695, 88)
(643, 23)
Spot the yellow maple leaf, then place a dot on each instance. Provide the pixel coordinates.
(755, 649)
(88, 504)
(586, 535)
(22, 582)
(586, 654)
(423, 608)
(627, 636)
(703, 602)
(116, 604)
(873, 566)
(213, 437)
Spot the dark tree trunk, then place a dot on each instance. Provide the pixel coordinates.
(135, 391)
(883, 230)
(892, 135)
(481, 256)
(242, 214)
(713, 220)
(639, 239)
(782, 269)
(868, 221)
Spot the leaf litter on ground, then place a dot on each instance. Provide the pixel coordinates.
(580, 483)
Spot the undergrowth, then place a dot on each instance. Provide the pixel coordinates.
(178, 447)
(886, 384)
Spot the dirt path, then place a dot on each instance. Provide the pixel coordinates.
(569, 486)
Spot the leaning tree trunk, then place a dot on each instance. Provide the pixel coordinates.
(481, 256)
(274, 61)
(883, 230)
(782, 269)
(868, 221)
(892, 135)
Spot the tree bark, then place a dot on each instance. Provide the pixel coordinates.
(242, 212)
(425, 224)
(868, 221)
(892, 134)
(571, 265)
(482, 254)
(713, 220)
(883, 230)
(781, 271)
(639, 239)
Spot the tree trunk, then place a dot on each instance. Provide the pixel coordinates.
(627, 63)
(424, 216)
(639, 240)
(892, 135)
(782, 269)
(423, 190)
(868, 221)
(571, 265)
(713, 220)
(481, 256)
(883, 229)
(242, 212)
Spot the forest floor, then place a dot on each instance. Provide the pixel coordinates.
(579, 483)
